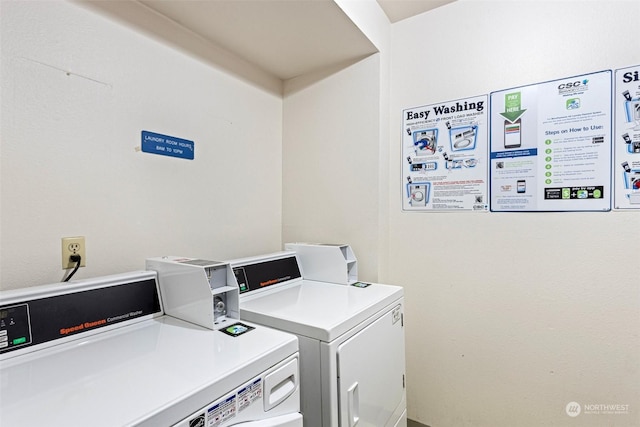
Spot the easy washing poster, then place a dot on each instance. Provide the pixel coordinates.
(626, 141)
(444, 156)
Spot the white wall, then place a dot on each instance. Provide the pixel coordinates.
(77, 90)
(330, 160)
(512, 316)
(373, 22)
(335, 170)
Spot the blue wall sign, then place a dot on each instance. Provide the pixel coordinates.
(166, 145)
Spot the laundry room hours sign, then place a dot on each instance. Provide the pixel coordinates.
(165, 145)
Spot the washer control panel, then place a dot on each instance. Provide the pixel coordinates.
(67, 311)
(15, 327)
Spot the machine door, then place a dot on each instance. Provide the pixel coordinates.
(371, 371)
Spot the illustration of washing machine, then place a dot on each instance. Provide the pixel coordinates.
(463, 138)
(418, 194)
(633, 110)
(425, 141)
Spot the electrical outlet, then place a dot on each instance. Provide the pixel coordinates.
(73, 246)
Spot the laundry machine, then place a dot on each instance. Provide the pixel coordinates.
(102, 352)
(351, 338)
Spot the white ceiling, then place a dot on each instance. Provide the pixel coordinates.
(398, 10)
(285, 38)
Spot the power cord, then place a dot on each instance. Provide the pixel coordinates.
(77, 259)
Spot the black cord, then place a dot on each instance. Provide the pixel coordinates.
(76, 259)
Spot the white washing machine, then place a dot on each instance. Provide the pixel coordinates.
(101, 352)
(351, 338)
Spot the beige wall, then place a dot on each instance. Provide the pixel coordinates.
(77, 90)
(330, 161)
(512, 316)
(335, 151)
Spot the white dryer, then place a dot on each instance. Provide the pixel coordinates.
(101, 352)
(351, 339)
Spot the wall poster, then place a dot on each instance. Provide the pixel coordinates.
(444, 156)
(550, 146)
(626, 142)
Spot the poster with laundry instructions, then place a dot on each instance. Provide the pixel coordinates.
(550, 146)
(626, 141)
(444, 156)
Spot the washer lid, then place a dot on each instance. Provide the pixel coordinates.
(319, 310)
(153, 373)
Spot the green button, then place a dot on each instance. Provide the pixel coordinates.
(19, 341)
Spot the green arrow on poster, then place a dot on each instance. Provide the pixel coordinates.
(512, 109)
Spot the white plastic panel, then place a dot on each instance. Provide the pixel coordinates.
(152, 373)
(310, 381)
(326, 262)
(197, 290)
(280, 384)
(290, 420)
(318, 310)
(402, 421)
(371, 369)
